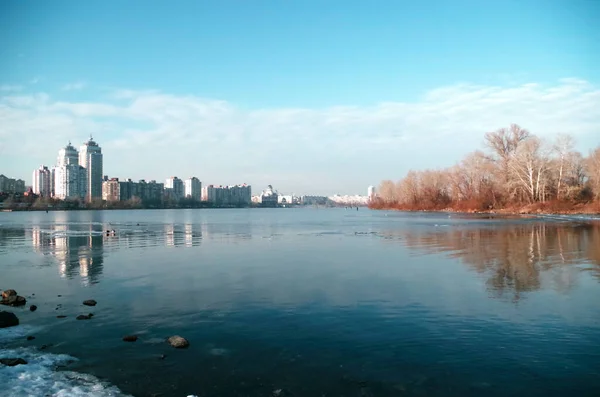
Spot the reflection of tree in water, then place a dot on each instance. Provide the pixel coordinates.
(518, 258)
(76, 254)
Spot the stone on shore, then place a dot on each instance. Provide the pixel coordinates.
(10, 298)
(8, 319)
(178, 342)
(90, 302)
(11, 362)
(130, 338)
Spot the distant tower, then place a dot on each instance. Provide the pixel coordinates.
(371, 193)
(193, 188)
(42, 182)
(70, 179)
(174, 188)
(90, 158)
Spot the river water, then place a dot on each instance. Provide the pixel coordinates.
(301, 302)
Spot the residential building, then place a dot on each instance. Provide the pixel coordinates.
(269, 197)
(193, 188)
(11, 185)
(174, 188)
(235, 195)
(70, 179)
(371, 193)
(111, 190)
(313, 200)
(70, 182)
(42, 181)
(90, 158)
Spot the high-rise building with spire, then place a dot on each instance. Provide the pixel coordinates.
(90, 158)
(70, 178)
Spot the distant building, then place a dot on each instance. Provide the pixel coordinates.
(287, 199)
(371, 193)
(351, 200)
(193, 188)
(174, 188)
(70, 179)
(111, 190)
(235, 195)
(42, 181)
(11, 185)
(90, 158)
(313, 200)
(70, 182)
(269, 197)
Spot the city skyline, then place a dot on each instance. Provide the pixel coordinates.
(312, 97)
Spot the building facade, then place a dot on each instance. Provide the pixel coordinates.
(70, 179)
(111, 190)
(174, 188)
(235, 195)
(193, 188)
(70, 182)
(11, 185)
(269, 197)
(90, 158)
(42, 182)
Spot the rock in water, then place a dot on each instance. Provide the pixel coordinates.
(33, 308)
(90, 302)
(61, 316)
(10, 298)
(130, 338)
(30, 337)
(178, 342)
(8, 293)
(8, 319)
(84, 316)
(11, 362)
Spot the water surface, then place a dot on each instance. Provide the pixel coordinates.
(303, 302)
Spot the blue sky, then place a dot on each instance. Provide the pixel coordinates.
(286, 92)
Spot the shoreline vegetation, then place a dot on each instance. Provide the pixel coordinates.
(517, 173)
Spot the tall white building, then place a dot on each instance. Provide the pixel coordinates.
(371, 193)
(70, 179)
(90, 158)
(42, 181)
(193, 188)
(174, 188)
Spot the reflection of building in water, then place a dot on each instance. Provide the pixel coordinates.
(75, 251)
(516, 258)
(178, 235)
(170, 235)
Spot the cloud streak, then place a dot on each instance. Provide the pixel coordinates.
(149, 134)
(74, 86)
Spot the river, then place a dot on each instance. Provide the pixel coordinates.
(301, 302)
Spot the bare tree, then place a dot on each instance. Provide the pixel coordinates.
(529, 165)
(387, 191)
(504, 144)
(593, 171)
(563, 146)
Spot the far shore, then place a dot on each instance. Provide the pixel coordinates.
(550, 208)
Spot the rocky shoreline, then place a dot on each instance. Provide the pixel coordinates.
(9, 319)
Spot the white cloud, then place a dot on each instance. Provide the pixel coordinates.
(149, 134)
(34, 80)
(79, 85)
(10, 88)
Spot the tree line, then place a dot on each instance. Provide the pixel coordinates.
(516, 169)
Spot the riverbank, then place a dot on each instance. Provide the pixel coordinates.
(547, 208)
